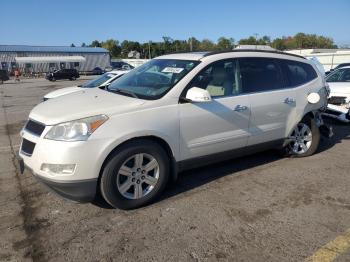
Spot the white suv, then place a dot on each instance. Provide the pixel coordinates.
(174, 112)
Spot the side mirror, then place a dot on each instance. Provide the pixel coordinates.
(104, 86)
(313, 98)
(196, 94)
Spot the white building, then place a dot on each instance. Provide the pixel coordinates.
(329, 58)
(45, 58)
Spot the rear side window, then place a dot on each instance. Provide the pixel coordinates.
(260, 74)
(298, 73)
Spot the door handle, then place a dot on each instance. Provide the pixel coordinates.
(289, 101)
(240, 108)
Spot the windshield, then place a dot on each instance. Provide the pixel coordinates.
(153, 79)
(98, 81)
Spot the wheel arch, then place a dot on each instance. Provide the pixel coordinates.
(153, 138)
(310, 114)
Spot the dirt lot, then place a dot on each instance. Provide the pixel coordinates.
(257, 208)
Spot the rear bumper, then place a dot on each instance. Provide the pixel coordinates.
(82, 191)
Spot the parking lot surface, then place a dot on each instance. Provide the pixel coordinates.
(257, 208)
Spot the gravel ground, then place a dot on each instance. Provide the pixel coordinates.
(257, 208)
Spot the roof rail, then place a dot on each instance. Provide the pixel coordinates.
(252, 50)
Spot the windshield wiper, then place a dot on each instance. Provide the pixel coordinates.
(123, 91)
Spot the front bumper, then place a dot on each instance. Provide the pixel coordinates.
(87, 156)
(325, 130)
(78, 191)
(340, 113)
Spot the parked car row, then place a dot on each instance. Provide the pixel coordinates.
(102, 81)
(3, 76)
(73, 74)
(339, 98)
(175, 112)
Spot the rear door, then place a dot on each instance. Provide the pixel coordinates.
(272, 104)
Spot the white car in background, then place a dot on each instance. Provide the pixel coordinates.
(339, 98)
(101, 81)
(339, 83)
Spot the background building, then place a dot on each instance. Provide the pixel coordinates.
(41, 59)
(329, 58)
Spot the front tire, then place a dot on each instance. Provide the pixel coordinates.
(305, 139)
(135, 174)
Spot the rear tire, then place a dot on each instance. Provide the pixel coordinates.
(135, 174)
(305, 139)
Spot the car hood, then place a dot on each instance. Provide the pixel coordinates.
(82, 104)
(62, 91)
(339, 88)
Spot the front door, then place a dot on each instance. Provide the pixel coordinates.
(221, 124)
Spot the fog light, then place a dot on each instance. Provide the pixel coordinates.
(58, 169)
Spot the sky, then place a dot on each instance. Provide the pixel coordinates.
(42, 22)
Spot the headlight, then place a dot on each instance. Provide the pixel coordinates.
(77, 130)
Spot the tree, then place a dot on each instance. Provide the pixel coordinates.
(83, 45)
(279, 44)
(112, 46)
(72, 45)
(248, 41)
(194, 44)
(265, 40)
(180, 46)
(301, 40)
(225, 44)
(207, 45)
(127, 46)
(95, 43)
(170, 45)
(167, 45)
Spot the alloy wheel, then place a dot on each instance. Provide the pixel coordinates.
(138, 176)
(301, 139)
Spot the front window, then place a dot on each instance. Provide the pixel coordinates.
(153, 79)
(98, 81)
(220, 79)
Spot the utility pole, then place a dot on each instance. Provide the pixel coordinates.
(149, 49)
(256, 40)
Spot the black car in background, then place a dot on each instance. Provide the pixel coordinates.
(120, 65)
(338, 66)
(70, 74)
(97, 71)
(3, 76)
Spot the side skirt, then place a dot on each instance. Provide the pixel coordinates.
(222, 156)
